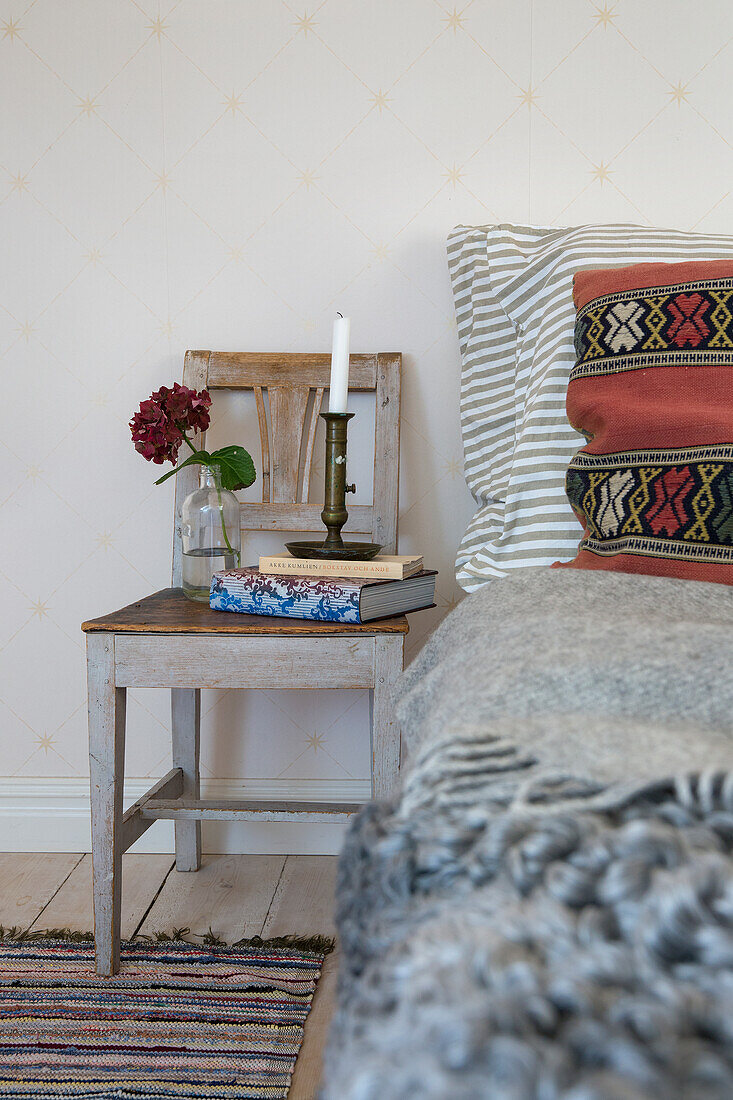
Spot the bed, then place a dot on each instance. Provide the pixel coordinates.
(544, 910)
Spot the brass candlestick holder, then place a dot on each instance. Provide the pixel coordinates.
(334, 514)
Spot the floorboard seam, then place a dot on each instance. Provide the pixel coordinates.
(274, 895)
(33, 923)
(155, 897)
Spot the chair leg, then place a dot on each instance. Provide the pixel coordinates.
(388, 664)
(186, 728)
(107, 775)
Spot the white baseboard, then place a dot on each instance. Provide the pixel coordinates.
(52, 815)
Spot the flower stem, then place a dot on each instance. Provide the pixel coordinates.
(187, 440)
(230, 548)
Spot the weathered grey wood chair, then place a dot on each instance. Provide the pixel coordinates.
(168, 641)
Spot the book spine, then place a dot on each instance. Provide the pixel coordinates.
(392, 571)
(280, 596)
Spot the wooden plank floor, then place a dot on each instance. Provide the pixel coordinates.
(234, 896)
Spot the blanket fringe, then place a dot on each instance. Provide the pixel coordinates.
(315, 944)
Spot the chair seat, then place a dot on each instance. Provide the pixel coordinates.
(170, 612)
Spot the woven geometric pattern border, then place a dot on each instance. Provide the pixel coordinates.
(194, 1022)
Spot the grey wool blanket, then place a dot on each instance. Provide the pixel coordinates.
(545, 909)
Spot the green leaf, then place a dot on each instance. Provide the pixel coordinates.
(200, 458)
(237, 467)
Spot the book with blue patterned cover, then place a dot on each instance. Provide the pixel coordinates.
(328, 599)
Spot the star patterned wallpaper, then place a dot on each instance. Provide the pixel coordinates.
(228, 174)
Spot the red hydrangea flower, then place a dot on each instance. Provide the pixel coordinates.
(158, 427)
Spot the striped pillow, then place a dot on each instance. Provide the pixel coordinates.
(513, 289)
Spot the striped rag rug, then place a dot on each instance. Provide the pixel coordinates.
(194, 1022)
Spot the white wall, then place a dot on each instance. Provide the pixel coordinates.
(227, 174)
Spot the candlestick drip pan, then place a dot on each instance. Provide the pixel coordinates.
(350, 551)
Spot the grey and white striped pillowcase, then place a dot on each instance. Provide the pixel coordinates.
(513, 290)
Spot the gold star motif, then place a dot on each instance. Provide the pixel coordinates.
(167, 328)
(93, 256)
(157, 27)
(163, 181)
(233, 103)
(310, 326)
(454, 20)
(529, 97)
(88, 106)
(453, 468)
(236, 253)
(453, 175)
(380, 252)
(34, 472)
(381, 100)
(27, 330)
(20, 182)
(40, 609)
(45, 741)
(605, 16)
(678, 92)
(601, 172)
(11, 28)
(100, 400)
(104, 541)
(304, 23)
(315, 741)
(308, 179)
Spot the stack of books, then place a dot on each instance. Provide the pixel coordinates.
(328, 590)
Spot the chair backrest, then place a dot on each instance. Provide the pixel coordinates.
(293, 386)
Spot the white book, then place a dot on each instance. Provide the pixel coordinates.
(389, 567)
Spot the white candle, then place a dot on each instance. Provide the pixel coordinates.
(339, 366)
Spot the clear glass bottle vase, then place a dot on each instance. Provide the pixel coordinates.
(210, 534)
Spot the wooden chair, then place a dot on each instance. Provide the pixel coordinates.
(168, 641)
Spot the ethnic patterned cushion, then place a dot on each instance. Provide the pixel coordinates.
(652, 391)
(513, 289)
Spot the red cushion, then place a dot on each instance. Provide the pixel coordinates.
(652, 391)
